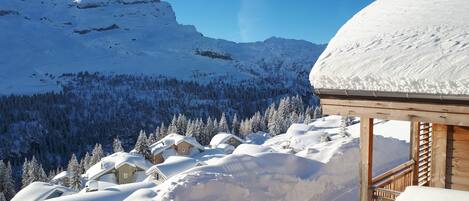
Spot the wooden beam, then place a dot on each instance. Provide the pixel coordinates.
(440, 108)
(439, 151)
(366, 159)
(414, 150)
(389, 111)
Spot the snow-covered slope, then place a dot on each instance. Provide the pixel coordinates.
(418, 46)
(44, 39)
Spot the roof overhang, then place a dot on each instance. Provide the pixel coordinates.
(426, 110)
(392, 96)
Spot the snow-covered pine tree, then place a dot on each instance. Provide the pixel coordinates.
(172, 128)
(2, 174)
(25, 173)
(2, 197)
(82, 166)
(343, 127)
(151, 138)
(317, 112)
(308, 115)
(181, 124)
(8, 182)
(276, 124)
(190, 128)
(97, 154)
(86, 161)
(73, 170)
(51, 175)
(223, 124)
(141, 146)
(42, 174)
(209, 129)
(36, 172)
(215, 128)
(117, 145)
(235, 125)
(163, 131)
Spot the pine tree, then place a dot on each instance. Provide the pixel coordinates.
(181, 124)
(8, 182)
(2, 174)
(163, 132)
(223, 124)
(73, 171)
(141, 146)
(86, 162)
(235, 125)
(343, 127)
(25, 173)
(96, 155)
(2, 197)
(172, 128)
(117, 145)
(152, 137)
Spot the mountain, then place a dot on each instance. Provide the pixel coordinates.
(48, 38)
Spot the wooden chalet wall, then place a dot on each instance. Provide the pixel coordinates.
(458, 159)
(450, 157)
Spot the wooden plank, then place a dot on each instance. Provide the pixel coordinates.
(440, 108)
(398, 114)
(460, 162)
(460, 172)
(461, 130)
(366, 159)
(460, 145)
(460, 180)
(463, 187)
(438, 163)
(414, 150)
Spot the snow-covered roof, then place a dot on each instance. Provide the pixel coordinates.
(416, 193)
(37, 191)
(251, 149)
(173, 139)
(115, 161)
(60, 176)
(117, 192)
(221, 138)
(417, 46)
(174, 165)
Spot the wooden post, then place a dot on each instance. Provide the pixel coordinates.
(439, 148)
(366, 158)
(414, 150)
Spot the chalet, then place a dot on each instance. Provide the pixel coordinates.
(226, 138)
(172, 166)
(174, 145)
(119, 168)
(409, 61)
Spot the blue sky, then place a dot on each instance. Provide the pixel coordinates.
(256, 20)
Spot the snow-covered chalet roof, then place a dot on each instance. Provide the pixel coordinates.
(405, 46)
(174, 165)
(221, 138)
(40, 191)
(115, 161)
(173, 139)
(117, 192)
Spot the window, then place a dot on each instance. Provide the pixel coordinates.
(55, 194)
(125, 175)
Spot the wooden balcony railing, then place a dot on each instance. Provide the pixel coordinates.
(387, 186)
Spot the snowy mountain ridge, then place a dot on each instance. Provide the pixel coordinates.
(54, 37)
